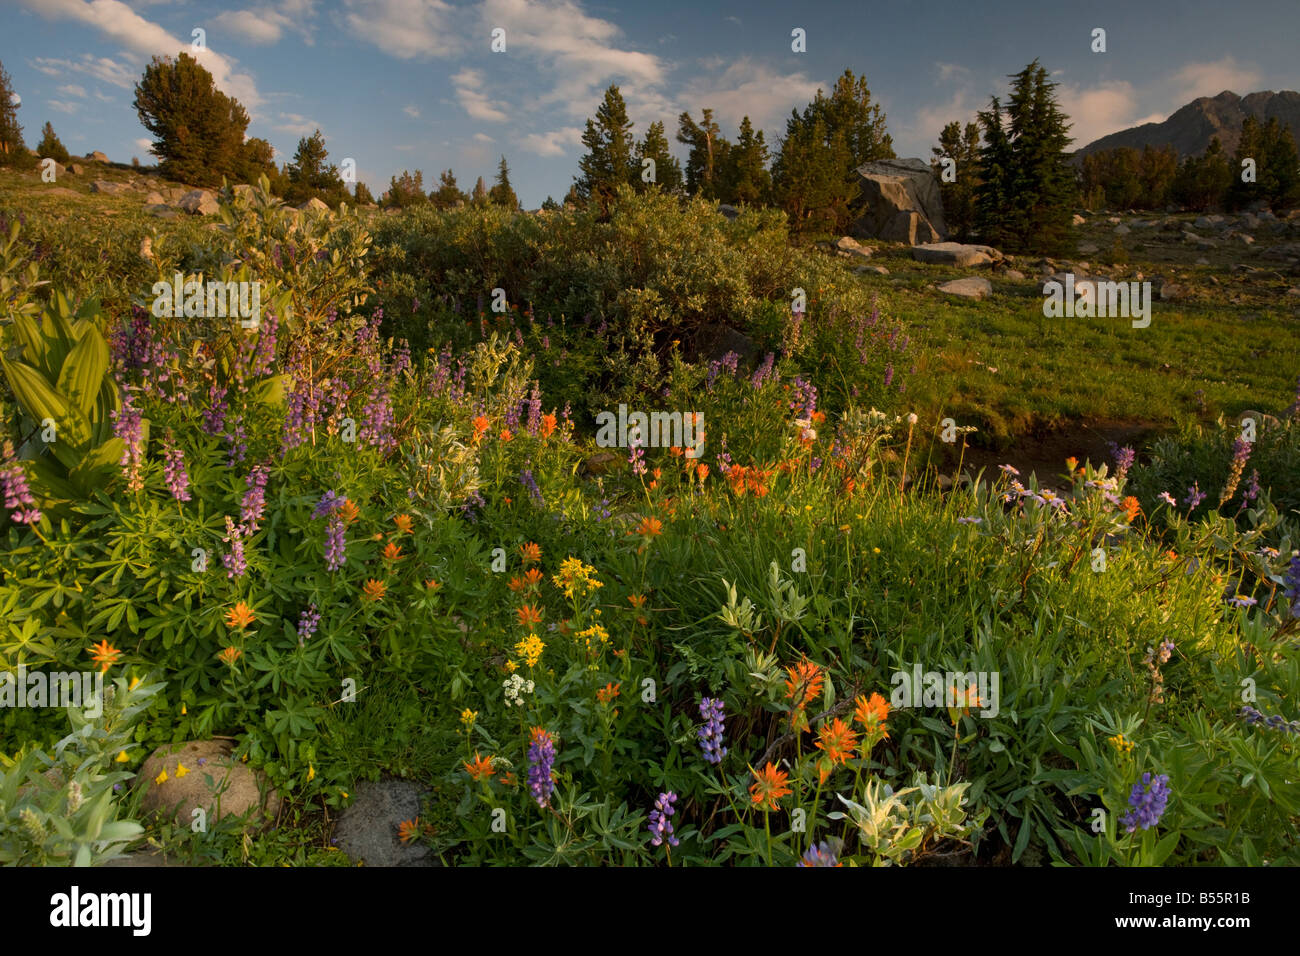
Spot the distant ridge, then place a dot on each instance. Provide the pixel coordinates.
(1190, 129)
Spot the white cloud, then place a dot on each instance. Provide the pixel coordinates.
(258, 27)
(145, 144)
(101, 68)
(265, 24)
(118, 22)
(753, 89)
(1211, 79)
(1097, 111)
(484, 138)
(473, 100)
(951, 71)
(405, 29)
(72, 89)
(411, 111)
(61, 106)
(552, 143)
(296, 125)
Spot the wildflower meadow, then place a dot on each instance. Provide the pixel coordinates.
(371, 536)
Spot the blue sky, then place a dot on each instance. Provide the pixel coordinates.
(407, 84)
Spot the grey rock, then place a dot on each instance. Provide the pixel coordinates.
(314, 205)
(161, 211)
(212, 779)
(972, 287)
(1014, 274)
(874, 270)
(955, 254)
(77, 169)
(1122, 230)
(1088, 248)
(1172, 291)
(731, 212)
(155, 198)
(198, 202)
(850, 248)
(108, 188)
(367, 830)
(97, 156)
(901, 202)
(713, 340)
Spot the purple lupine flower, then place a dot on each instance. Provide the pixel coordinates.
(1124, 458)
(1240, 452)
(264, 351)
(236, 564)
(253, 506)
(1146, 802)
(128, 426)
(820, 854)
(336, 543)
(473, 505)
(636, 458)
(526, 479)
(889, 375)
(763, 373)
(327, 504)
(178, 482)
(377, 420)
(534, 405)
(1252, 488)
(541, 758)
(236, 437)
(796, 327)
(18, 497)
(214, 416)
(1291, 586)
(710, 735)
(1194, 495)
(307, 623)
(1274, 721)
(661, 825)
(804, 400)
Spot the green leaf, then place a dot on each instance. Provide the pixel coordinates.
(83, 371)
(41, 401)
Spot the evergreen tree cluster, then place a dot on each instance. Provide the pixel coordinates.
(1125, 178)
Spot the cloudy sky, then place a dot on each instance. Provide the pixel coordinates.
(407, 84)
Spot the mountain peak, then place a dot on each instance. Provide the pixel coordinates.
(1190, 128)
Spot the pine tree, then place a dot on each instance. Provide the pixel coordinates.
(310, 177)
(502, 194)
(1029, 192)
(744, 177)
(550, 205)
(992, 214)
(405, 190)
(608, 161)
(959, 195)
(1277, 180)
(448, 195)
(51, 147)
(198, 130)
(257, 159)
(810, 176)
(1203, 182)
(849, 110)
(13, 151)
(479, 196)
(707, 155)
(362, 195)
(667, 170)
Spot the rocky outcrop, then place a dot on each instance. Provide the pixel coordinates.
(902, 202)
(956, 254)
(199, 202)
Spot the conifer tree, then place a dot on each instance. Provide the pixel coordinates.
(51, 147)
(198, 130)
(501, 193)
(12, 149)
(310, 177)
(362, 195)
(707, 155)
(744, 177)
(448, 195)
(608, 161)
(1029, 190)
(667, 170)
(959, 195)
